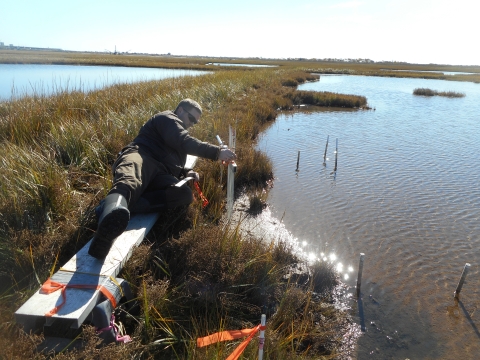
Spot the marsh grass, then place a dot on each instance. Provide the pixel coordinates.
(192, 276)
(430, 92)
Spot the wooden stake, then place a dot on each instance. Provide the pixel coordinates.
(298, 159)
(462, 280)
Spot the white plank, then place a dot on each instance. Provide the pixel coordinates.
(80, 302)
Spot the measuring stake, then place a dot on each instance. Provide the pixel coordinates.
(261, 337)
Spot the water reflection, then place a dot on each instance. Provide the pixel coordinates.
(265, 226)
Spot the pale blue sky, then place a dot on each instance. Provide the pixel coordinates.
(417, 31)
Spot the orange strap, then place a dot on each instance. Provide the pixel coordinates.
(239, 350)
(200, 193)
(51, 286)
(224, 336)
(231, 335)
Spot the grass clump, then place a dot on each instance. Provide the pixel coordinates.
(328, 99)
(192, 276)
(430, 92)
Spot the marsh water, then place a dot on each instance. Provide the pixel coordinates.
(406, 193)
(20, 79)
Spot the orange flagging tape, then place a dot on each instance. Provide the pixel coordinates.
(200, 193)
(51, 286)
(231, 335)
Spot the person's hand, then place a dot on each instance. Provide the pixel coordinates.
(227, 156)
(194, 175)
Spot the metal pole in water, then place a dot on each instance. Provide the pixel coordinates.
(261, 337)
(336, 156)
(462, 280)
(298, 159)
(360, 271)
(325, 153)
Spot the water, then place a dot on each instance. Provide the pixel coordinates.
(19, 79)
(406, 193)
(436, 71)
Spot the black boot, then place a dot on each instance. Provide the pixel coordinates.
(112, 223)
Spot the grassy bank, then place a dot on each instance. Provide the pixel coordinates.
(191, 276)
(430, 92)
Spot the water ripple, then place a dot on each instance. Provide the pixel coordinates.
(406, 193)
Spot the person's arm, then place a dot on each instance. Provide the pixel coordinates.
(175, 136)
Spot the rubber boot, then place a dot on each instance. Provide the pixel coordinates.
(112, 223)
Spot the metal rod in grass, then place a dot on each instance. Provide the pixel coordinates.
(325, 153)
(223, 146)
(232, 168)
(462, 280)
(261, 337)
(360, 271)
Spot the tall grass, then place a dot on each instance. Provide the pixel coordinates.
(194, 277)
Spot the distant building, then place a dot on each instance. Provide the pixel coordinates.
(1, 44)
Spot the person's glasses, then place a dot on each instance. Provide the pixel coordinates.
(191, 117)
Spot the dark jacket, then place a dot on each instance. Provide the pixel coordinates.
(165, 139)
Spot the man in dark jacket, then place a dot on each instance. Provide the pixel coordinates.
(147, 169)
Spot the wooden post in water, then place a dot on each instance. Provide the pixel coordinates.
(298, 159)
(462, 280)
(325, 153)
(261, 337)
(360, 271)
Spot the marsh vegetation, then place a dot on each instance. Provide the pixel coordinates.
(430, 92)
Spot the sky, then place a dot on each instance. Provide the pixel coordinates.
(414, 31)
